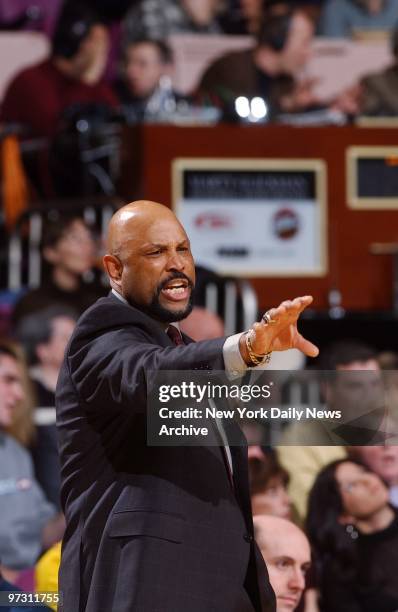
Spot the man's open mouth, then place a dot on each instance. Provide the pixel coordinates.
(176, 289)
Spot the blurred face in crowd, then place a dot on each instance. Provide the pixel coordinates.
(75, 250)
(381, 459)
(144, 67)
(11, 390)
(362, 492)
(297, 50)
(92, 54)
(151, 263)
(287, 554)
(357, 390)
(52, 352)
(274, 500)
(374, 6)
(251, 9)
(201, 12)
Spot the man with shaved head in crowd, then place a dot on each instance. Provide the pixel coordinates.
(153, 528)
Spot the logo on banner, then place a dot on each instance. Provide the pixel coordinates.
(212, 221)
(286, 223)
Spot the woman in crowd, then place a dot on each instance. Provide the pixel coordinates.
(354, 534)
(29, 524)
(268, 486)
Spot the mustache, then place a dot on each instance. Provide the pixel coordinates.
(173, 276)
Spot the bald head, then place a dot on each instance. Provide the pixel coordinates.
(133, 219)
(287, 554)
(149, 261)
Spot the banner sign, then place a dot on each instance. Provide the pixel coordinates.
(254, 217)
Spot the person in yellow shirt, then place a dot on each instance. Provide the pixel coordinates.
(46, 572)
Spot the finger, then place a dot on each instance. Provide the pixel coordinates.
(306, 347)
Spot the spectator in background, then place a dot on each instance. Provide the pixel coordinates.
(348, 18)
(159, 19)
(44, 335)
(383, 460)
(354, 534)
(39, 95)
(202, 324)
(269, 70)
(304, 462)
(268, 482)
(145, 86)
(287, 554)
(28, 522)
(69, 252)
(377, 93)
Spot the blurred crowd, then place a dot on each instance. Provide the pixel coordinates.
(325, 516)
(113, 64)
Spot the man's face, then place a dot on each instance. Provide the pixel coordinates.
(52, 352)
(144, 68)
(92, 54)
(251, 8)
(287, 559)
(297, 50)
(383, 460)
(74, 251)
(158, 273)
(11, 390)
(356, 389)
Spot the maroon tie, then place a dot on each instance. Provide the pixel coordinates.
(175, 335)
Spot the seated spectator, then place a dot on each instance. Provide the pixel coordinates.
(68, 252)
(268, 486)
(46, 571)
(28, 523)
(304, 462)
(44, 335)
(72, 75)
(287, 554)
(383, 460)
(378, 92)
(144, 90)
(159, 19)
(345, 18)
(268, 70)
(354, 534)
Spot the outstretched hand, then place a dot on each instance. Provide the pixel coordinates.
(281, 333)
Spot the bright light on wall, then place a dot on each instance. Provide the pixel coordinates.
(242, 107)
(258, 109)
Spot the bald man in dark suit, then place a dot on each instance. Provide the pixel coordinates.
(154, 529)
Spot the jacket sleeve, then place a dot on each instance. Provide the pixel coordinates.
(114, 367)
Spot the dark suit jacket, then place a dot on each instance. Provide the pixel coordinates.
(149, 529)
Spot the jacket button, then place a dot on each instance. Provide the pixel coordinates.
(248, 538)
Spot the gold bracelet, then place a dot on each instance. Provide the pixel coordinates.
(255, 358)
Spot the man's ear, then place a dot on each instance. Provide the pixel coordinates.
(114, 268)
